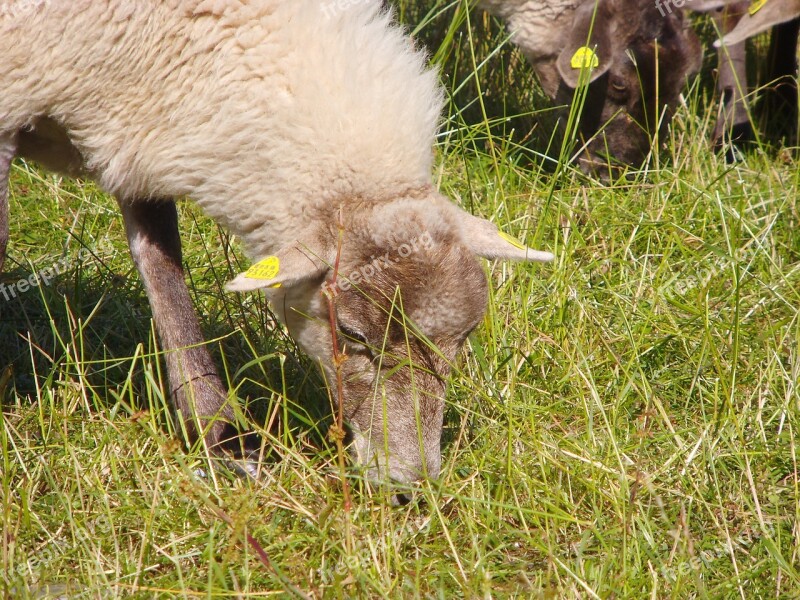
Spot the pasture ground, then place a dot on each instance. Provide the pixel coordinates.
(621, 426)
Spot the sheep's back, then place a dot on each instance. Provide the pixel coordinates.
(255, 109)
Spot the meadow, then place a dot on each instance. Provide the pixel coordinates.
(620, 426)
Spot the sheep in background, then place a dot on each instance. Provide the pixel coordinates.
(783, 16)
(641, 56)
(760, 16)
(288, 123)
(737, 21)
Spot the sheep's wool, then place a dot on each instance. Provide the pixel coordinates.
(539, 27)
(307, 100)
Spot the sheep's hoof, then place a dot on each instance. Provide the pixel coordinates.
(240, 453)
(734, 142)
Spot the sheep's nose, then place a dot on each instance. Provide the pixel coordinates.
(404, 492)
(403, 499)
(407, 477)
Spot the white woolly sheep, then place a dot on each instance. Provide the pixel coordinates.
(287, 123)
(640, 59)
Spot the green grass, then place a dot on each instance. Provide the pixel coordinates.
(622, 425)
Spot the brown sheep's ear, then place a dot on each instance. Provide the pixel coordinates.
(287, 267)
(485, 240)
(760, 16)
(589, 51)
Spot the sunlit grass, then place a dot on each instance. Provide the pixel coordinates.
(621, 425)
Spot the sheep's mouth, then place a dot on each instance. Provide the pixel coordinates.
(607, 166)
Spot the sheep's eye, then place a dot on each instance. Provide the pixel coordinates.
(618, 88)
(353, 335)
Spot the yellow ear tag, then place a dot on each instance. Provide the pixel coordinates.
(512, 240)
(585, 58)
(756, 6)
(267, 268)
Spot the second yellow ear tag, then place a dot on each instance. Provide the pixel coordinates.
(267, 268)
(756, 6)
(585, 58)
(512, 240)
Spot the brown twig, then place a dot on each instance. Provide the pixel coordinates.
(337, 431)
(262, 555)
(192, 489)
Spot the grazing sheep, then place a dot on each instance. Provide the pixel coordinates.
(733, 124)
(307, 132)
(737, 21)
(783, 16)
(642, 57)
(760, 16)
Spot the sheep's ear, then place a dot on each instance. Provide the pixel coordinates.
(484, 239)
(760, 16)
(588, 53)
(288, 267)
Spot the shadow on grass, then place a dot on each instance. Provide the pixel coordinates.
(90, 328)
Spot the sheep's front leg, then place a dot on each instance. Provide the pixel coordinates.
(8, 148)
(779, 101)
(201, 400)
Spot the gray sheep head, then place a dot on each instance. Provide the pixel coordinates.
(643, 60)
(408, 291)
(638, 61)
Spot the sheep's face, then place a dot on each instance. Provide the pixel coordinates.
(639, 61)
(401, 330)
(407, 292)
